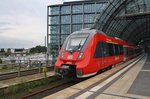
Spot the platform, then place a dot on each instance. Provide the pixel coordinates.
(18, 80)
(132, 82)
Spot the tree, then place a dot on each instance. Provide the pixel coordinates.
(8, 52)
(0, 61)
(2, 50)
(38, 49)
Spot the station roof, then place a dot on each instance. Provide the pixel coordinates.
(126, 19)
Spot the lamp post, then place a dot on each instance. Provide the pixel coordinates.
(19, 68)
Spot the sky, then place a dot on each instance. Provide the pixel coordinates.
(23, 23)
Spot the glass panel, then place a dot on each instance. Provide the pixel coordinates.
(76, 28)
(88, 25)
(141, 5)
(105, 5)
(54, 10)
(65, 19)
(54, 29)
(54, 39)
(77, 9)
(54, 49)
(65, 10)
(103, 17)
(100, 7)
(132, 7)
(105, 48)
(89, 8)
(147, 4)
(147, 1)
(54, 20)
(65, 29)
(111, 49)
(117, 51)
(77, 19)
(63, 37)
(89, 18)
(99, 50)
(76, 42)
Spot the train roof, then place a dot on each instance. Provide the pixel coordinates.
(95, 31)
(89, 30)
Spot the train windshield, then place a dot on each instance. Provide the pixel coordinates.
(76, 42)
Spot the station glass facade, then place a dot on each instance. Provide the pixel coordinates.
(66, 18)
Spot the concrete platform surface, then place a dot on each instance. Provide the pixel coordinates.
(141, 85)
(116, 86)
(18, 80)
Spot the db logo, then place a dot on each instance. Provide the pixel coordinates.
(70, 57)
(116, 58)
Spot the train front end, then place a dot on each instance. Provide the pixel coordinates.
(73, 56)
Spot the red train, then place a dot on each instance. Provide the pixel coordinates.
(88, 51)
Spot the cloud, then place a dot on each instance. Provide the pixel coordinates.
(2, 30)
(4, 23)
(15, 43)
(23, 23)
(4, 26)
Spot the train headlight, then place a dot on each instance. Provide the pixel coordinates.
(62, 55)
(79, 72)
(80, 55)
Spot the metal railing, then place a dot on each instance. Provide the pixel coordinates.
(9, 66)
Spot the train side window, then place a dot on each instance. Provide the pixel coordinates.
(121, 49)
(128, 51)
(111, 49)
(106, 50)
(117, 51)
(99, 50)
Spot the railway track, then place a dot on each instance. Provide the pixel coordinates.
(55, 87)
(52, 88)
(22, 73)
